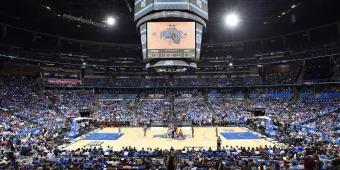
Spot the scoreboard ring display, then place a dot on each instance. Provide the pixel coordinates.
(145, 7)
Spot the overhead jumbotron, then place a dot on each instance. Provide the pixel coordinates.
(171, 33)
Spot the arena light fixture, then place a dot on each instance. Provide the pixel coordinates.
(232, 20)
(110, 21)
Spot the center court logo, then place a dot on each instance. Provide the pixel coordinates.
(228, 130)
(172, 35)
(166, 136)
(94, 144)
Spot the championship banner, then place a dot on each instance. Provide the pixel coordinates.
(63, 81)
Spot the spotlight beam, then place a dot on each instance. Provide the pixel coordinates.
(110, 21)
(232, 20)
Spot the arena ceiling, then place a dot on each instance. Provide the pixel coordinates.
(260, 18)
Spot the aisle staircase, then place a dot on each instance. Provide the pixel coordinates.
(96, 103)
(211, 109)
(302, 72)
(247, 101)
(293, 100)
(208, 103)
(134, 109)
(336, 74)
(51, 104)
(41, 93)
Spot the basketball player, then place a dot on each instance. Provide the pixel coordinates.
(219, 143)
(180, 134)
(119, 130)
(173, 133)
(145, 128)
(192, 131)
(216, 130)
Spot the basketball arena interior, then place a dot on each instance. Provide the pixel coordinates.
(170, 84)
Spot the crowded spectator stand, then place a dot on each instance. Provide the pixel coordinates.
(31, 131)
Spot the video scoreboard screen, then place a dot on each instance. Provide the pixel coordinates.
(143, 7)
(171, 40)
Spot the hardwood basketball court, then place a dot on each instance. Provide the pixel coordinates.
(204, 137)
